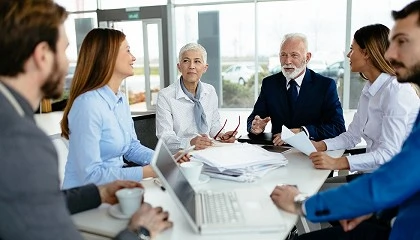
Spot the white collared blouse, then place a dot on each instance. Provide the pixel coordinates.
(385, 116)
(175, 122)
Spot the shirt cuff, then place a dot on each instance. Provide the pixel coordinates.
(306, 131)
(304, 208)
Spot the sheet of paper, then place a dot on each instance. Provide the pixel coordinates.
(299, 141)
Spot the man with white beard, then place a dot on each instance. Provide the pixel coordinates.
(297, 97)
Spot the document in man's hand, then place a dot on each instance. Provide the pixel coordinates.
(299, 141)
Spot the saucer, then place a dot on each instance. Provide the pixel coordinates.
(202, 179)
(114, 211)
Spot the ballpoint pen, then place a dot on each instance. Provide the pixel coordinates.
(211, 139)
(185, 152)
(157, 182)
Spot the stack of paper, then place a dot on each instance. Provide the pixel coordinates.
(239, 159)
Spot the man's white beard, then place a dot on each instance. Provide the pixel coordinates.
(295, 73)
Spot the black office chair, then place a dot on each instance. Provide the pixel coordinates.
(145, 126)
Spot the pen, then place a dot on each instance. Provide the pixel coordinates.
(211, 139)
(185, 152)
(157, 182)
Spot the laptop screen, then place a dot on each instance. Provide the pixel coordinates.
(176, 180)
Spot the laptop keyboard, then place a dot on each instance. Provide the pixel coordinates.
(220, 207)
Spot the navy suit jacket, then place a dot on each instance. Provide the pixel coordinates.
(396, 183)
(318, 107)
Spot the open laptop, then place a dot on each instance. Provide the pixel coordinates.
(245, 210)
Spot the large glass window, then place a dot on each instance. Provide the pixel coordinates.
(250, 40)
(227, 32)
(77, 26)
(362, 16)
(325, 30)
(243, 38)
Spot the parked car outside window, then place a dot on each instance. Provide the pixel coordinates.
(240, 73)
(336, 72)
(317, 65)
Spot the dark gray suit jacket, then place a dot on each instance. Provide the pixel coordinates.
(32, 206)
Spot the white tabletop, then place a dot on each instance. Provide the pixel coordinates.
(299, 171)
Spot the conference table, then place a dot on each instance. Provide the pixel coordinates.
(98, 224)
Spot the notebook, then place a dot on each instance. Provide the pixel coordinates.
(244, 210)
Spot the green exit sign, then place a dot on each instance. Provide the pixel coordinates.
(133, 15)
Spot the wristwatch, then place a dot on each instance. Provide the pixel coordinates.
(143, 233)
(298, 201)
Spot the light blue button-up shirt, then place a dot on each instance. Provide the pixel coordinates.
(101, 133)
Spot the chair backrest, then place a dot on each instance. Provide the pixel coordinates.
(62, 146)
(145, 126)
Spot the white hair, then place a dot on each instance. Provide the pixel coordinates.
(300, 36)
(194, 47)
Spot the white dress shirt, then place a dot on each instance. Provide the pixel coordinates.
(298, 80)
(385, 115)
(175, 122)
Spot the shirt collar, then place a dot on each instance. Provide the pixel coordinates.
(373, 88)
(298, 80)
(109, 96)
(180, 94)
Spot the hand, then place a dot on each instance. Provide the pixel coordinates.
(350, 224)
(321, 160)
(148, 172)
(185, 158)
(154, 219)
(201, 142)
(284, 198)
(277, 140)
(228, 137)
(107, 191)
(319, 146)
(258, 124)
(296, 130)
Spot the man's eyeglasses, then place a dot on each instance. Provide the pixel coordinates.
(231, 135)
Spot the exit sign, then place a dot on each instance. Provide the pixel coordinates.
(133, 15)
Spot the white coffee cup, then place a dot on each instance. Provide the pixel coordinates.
(129, 199)
(192, 170)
